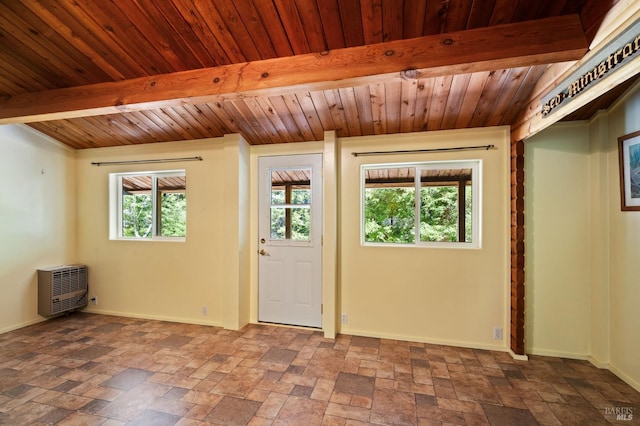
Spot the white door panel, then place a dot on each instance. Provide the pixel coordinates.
(303, 279)
(290, 234)
(275, 275)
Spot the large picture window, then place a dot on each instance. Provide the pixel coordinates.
(148, 206)
(422, 204)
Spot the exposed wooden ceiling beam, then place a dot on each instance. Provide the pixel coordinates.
(505, 46)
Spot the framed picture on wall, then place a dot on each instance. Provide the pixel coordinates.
(629, 152)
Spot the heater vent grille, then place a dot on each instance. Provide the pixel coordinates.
(62, 288)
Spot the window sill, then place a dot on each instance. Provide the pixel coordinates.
(443, 245)
(152, 240)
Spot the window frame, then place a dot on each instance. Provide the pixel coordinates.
(115, 205)
(289, 208)
(476, 202)
(289, 242)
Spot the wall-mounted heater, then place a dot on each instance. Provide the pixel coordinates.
(62, 289)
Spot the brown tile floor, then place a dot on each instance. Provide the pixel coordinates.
(88, 369)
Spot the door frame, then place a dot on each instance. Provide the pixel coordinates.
(330, 178)
(287, 252)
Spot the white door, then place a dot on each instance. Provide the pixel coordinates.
(290, 240)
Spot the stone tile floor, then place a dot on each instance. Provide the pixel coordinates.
(87, 369)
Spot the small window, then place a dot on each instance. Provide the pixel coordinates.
(291, 204)
(149, 206)
(423, 204)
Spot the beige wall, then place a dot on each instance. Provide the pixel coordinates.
(37, 218)
(170, 280)
(582, 251)
(624, 269)
(582, 287)
(449, 296)
(235, 234)
(558, 241)
(421, 294)
(599, 259)
(174, 280)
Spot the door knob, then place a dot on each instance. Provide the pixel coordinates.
(263, 252)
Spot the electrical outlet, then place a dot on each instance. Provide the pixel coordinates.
(344, 318)
(497, 333)
(204, 310)
(94, 300)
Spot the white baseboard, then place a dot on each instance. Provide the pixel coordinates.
(23, 324)
(628, 380)
(153, 317)
(518, 357)
(600, 364)
(421, 339)
(594, 361)
(558, 354)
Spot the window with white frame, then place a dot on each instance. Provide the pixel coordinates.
(148, 205)
(434, 204)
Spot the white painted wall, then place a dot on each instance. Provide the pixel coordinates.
(37, 218)
(558, 241)
(451, 296)
(599, 261)
(441, 295)
(624, 266)
(582, 250)
(171, 280)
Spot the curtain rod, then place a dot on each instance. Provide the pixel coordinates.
(160, 160)
(409, 151)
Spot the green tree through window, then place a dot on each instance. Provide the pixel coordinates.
(439, 219)
(136, 215)
(389, 215)
(444, 203)
(300, 216)
(152, 205)
(174, 215)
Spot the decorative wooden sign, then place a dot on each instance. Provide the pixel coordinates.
(612, 57)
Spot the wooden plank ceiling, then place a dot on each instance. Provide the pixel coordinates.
(46, 45)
